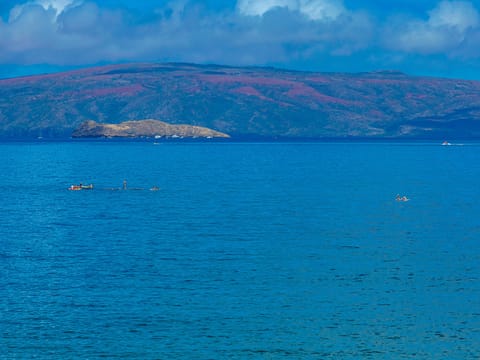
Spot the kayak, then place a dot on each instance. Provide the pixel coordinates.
(80, 187)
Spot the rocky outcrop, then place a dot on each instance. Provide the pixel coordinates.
(144, 129)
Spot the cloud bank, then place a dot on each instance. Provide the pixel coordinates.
(316, 34)
(448, 30)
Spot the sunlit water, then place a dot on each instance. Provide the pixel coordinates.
(248, 251)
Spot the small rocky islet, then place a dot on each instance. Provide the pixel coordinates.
(143, 129)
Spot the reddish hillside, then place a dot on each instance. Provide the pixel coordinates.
(242, 102)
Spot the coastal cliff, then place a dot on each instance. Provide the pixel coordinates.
(144, 128)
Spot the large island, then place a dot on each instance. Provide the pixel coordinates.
(144, 129)
(243, 102)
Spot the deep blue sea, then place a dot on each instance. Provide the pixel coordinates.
(247, 251)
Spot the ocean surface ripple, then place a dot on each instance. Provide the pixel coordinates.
(247, 251)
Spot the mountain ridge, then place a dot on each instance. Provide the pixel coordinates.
(243, 101)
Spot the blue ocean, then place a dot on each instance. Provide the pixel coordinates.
(246, 251)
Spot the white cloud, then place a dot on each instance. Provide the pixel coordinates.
(321, 9)
(421, 38)
(313, 9)
(56, 6)
(445, 31)
(258, 8)
(461, 15)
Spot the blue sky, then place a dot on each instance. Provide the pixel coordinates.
(430, 37)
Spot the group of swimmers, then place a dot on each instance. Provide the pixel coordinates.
(124, 187)
(153, 188)
(401, 198)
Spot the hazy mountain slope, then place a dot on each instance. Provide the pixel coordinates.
(242, 101)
